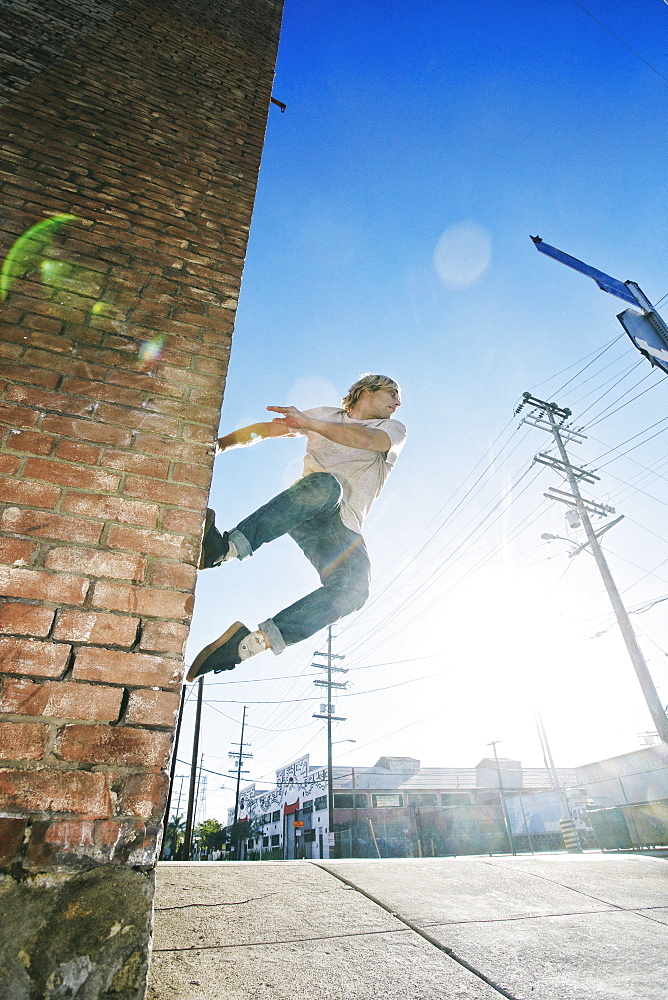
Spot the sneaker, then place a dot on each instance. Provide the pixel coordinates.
(221, 654)
(253, 644)
(216, 548)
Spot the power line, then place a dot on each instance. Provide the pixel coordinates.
(621, 40)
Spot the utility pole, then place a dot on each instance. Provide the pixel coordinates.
(327, 712)
(547, 419)
(188, 835)
(239, 758)
(502, 796)
(172, 772)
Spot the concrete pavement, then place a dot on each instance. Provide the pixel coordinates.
(549, 927)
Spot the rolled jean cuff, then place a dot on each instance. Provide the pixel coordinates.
(241, 544)
(273, 634)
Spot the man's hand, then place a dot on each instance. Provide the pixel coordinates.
(292, 417)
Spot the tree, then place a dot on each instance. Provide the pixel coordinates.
(210, 834)
(175, 830)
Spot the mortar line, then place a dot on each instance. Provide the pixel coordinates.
(422, 933)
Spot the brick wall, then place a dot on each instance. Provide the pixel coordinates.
(115, 327)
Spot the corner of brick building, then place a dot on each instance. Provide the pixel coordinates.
(145, 123)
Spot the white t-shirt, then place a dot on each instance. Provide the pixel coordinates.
(361, 472)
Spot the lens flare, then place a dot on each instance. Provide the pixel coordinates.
(25, 254)
(150, 350)
(462, 254)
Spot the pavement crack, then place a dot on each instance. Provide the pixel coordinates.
(297, 940)
(236, 902)
(554, 881)
(422, 933)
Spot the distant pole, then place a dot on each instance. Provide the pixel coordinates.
(502, 796)
(187, 838)
(330, 717)
(172, 772)
(240, 759)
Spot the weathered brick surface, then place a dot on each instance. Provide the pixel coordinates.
(25, 619)
(63, 699)
(146, 122)
(34, 657)
(22, 740)
(115, 667)
(152, 708)
(118, 745)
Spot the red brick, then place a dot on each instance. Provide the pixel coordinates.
(15, 551)
(96, 563)
(30, 494)
(30, 441)
(119, 745)
(141, 600)
(70, 475)
(22, 740)
(112, 508)
(9, 464)
(171, 493)
(52, 789)
(25, 619)
(152, 708)
(117, 667)
(200, 476)
(152, 543)
(164, 637)
(48, 400)
(178, 576)
(92, 431)
(152, 445)
(125, 416)
(145, 795)
(126, 461)
(17, 416)
(33, 657)
(12, 832)
(100, 391)
(199, 434)
(184, 522)
(61, 699)
(34, 585)
(21, 372)
(44, 525)
(76, 451)
(96, 627)
(71, 833)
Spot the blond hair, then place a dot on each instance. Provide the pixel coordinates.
(371, 382)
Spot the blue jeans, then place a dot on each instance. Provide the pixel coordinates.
(309, 512)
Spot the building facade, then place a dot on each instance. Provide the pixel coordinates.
(396, 808)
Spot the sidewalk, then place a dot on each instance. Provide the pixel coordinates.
(545, 927)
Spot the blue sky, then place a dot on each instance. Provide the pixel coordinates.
(406, 122)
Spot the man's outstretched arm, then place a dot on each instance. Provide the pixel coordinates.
(252, 434)
(352, 435)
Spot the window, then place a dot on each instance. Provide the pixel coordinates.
(321, 802)
(275, 840)
(360, 800)
(343, 801)
(266, 819)
(265, 841)
(424, 798)
(309, 836)
(276, 816)
(455, 798)
(308, 807)
(391, 800)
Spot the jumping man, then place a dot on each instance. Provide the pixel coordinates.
(350, 452)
